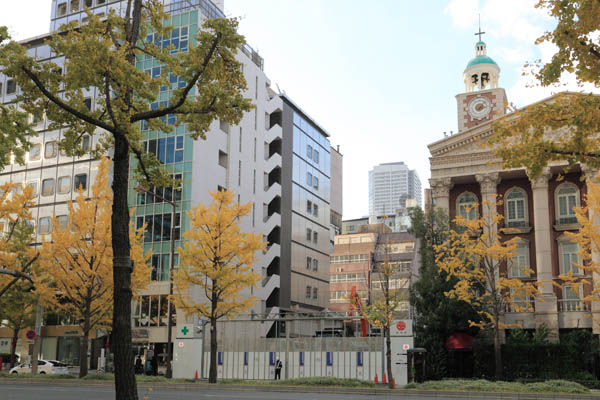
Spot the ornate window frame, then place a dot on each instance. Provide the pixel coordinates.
(568, 219)
(474, 209)
(516, 222)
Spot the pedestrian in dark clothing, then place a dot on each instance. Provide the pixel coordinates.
(278, 366)
(139, 368)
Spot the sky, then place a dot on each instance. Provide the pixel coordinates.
(381, 75)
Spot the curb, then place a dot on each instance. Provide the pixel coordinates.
(312, 389)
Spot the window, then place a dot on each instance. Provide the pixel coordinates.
(315, 182)
(315, 210)
(308, 263)
(64, 185)
(315, 292)
(308, 234)
(316, 156)
(35, 152)
(315, 237)
(518, 266)
(45, 225)
(309, 206)
(11, 86)
(516, 208)
(74, 5)
(50, 149)
(309, 151)
(88, 103)
(569, 258)
(80, 180)
(466, 206)
(34, 187)
(89, 3)
(48, 187)
(168, 150)
(85, 142)
(62, 9)
(224, 126)
(571, 300)
(308, 292)
(567, 197)
(315, 263)
(309, 179)
(62, 222)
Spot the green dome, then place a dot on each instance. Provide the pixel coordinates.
(480, 42)
(481, 60)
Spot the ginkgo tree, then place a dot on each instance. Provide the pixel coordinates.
(564, 129)
(17, 256)
(217, 257)
(76, 262)
(476, 254)
(102, 54)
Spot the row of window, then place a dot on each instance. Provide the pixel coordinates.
(314, 291)
(348, 278)
(168, 150)
(51, 149)
(343, 296)
(161, 265)
(157, 194)
(158, 227)
(312, 153)
(312, 208)
(312, 181)
(61, 185)
(312, 263)
(353, 258)
(77, 5)
(396, 283)
(153, 311)
(312, 235)
(11, 87)
(520, 267)
(515, 205)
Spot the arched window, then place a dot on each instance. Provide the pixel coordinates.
(466, 206)
(566, 197)
(515, 211)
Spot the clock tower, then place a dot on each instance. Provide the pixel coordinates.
(483, 100)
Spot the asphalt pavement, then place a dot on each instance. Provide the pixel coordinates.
(43, 391)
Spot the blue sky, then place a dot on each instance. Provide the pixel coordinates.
(380, 76)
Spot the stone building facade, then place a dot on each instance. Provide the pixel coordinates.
(463, 172)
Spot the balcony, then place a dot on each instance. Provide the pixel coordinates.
(572, 305)
(520, 307)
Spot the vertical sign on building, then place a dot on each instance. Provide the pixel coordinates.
(301, 363)
(359, 364)
(220, 365)
(245, 365)
(329, 360)
(272, 364)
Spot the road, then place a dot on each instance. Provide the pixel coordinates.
(38, 391)
(12, 391)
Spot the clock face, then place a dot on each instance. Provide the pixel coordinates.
(479, 107)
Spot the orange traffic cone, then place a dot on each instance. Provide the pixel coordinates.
(196, 376)
(376, 379)
(384, 379)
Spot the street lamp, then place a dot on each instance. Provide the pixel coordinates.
(172, 202)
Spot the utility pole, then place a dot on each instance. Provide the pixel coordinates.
(172, 202)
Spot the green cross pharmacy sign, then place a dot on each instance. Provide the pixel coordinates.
(185, 331)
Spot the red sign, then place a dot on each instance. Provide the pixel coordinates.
(30, 334)
(405, 347)
(401, 326)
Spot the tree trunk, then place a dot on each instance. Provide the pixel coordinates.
(388, 357)
(125, 385)
(212, 373)
(83, 360)
(13, 347)
(497, 353)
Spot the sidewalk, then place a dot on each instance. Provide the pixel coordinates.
(313, 389)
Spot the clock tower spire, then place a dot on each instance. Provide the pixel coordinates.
(483, 100)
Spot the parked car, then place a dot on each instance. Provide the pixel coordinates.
(44, 367)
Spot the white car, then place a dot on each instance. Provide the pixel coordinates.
(44, 367)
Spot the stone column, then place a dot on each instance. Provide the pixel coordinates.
(591, 175)
(440, 192)
(488, 186)
(546, 306)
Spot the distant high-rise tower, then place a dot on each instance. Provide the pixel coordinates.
(390, 184)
